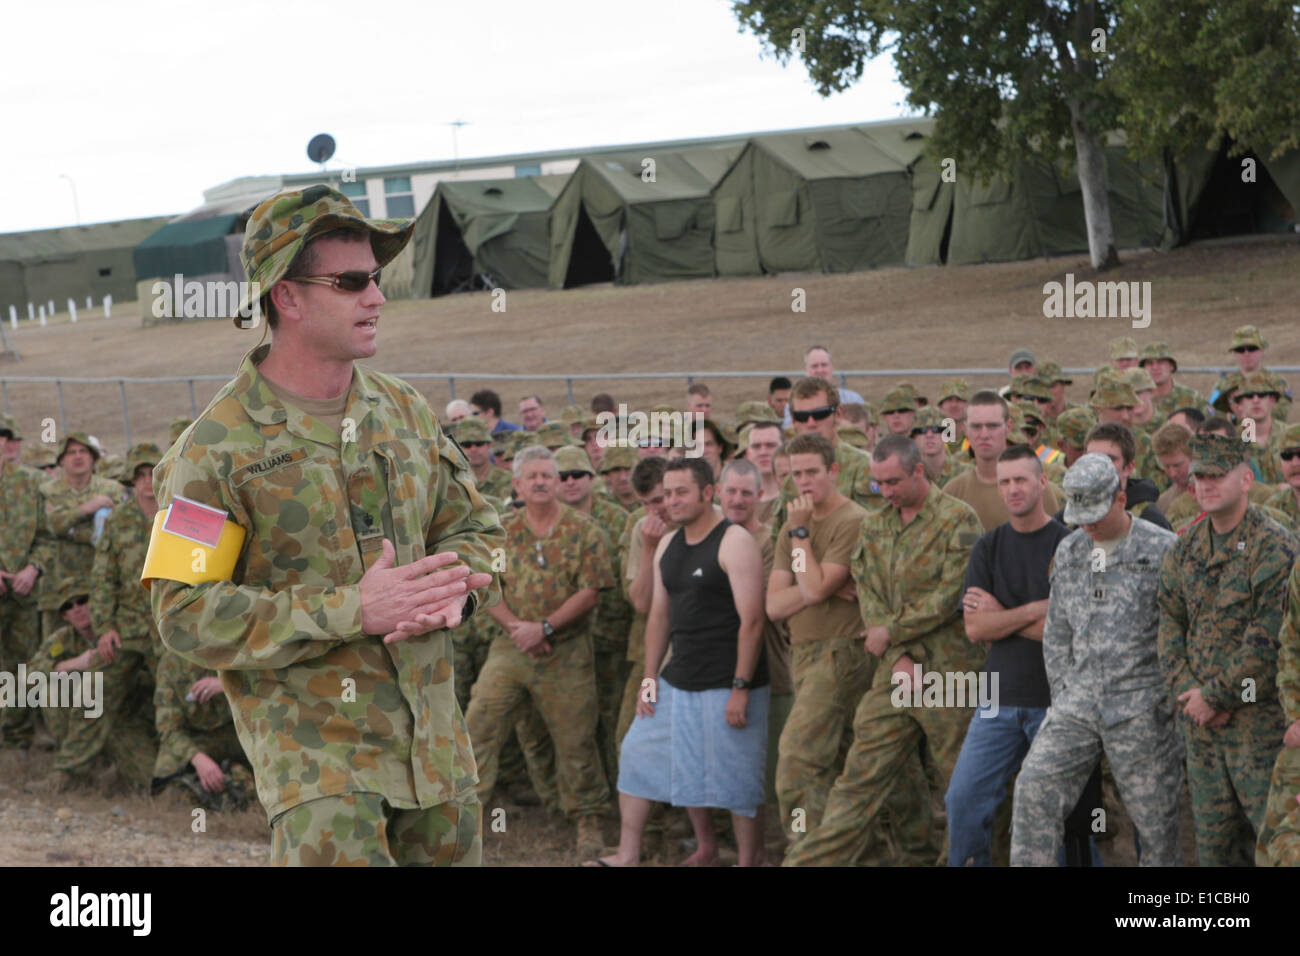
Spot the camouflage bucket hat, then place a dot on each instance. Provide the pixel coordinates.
(280, 226)
(70, 589)
(1229, 384)
(39, 456)
(111, 466)
(1139, 379)
(854, 436)
(618, 457)
(927, 417)
(1215, 455)
(471, 429)
(1031, 386)
(554, 435)
(1259, 383)
(573, 458)
(1050, 372)
(1030, 413)
(145, 453)
(572, 414)
(898, 399)
(1123, 348)
(1158, 350)
(81, 438)
(750, 412)
(1247, 335)
(1113, 393)
(1016, 433)
(1090, 486)
(907, 388)
(1073, 425)
(9, 428)
(1290, 437)
(589, 425)
(954, 388)
(176, 427)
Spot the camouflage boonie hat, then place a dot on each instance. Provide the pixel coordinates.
(1113, 393)
(82, 438)
(470, 429)
(898, 399)
(176, 427)
(145, 453)
(954, 388)
(1158, 350)
(10, 428)
(280, 226)
(617, 456)
(589, 424)
(1073, 425)
(1050, 372)
(1290, 437)
(1090, 486)
(1229, 384)
(39, 456)
(907, 388)
(572, 414)
(1247, 335)
(554, 435)
(1123, 348)
(111, 466)
(1139, 379)
(1016, 432)
(1030, 411)
(70, 588)
(854, 436)
(1215, 455)
(1030, 386)
(750, 412)
(927, 417)
(573, 458)
(1259, 383)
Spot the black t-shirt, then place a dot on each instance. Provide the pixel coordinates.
(703, 624)
(1013, 568)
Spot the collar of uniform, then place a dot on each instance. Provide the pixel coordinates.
(927, 506)
(265, 409)
(1245, 530)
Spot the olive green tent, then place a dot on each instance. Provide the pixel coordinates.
(203, 242)
(71, 263)
(484, 233)
(930, 223)
(828, 200)
(637, 217)
(1213, 194)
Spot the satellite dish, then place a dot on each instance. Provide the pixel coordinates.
(321, 148)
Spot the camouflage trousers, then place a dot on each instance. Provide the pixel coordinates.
(1279, 837)
(124, 731)
(627, 703)
(611, 680)
(562, 686)
(363, 829)
(1228, 773)
(20, 638)
(885, 739)
(830, 678)
(1146, 759)
(174, 755)
(469, 654)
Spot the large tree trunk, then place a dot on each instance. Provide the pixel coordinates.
(1096, 199)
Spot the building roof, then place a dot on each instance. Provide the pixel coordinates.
(69, 240)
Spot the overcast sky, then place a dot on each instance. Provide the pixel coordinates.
(146, 103)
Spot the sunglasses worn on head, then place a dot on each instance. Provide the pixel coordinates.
(353, 281)
(1289, 454)
(573, 475)
(821, 413)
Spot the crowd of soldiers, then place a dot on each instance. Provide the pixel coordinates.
(74, 534)
(549, 679)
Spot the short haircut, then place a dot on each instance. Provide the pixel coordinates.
(778, 384)
(809, 387)
(1192, 414)
(909, 455)
(305, 263)
(1170, 440)
(757, 425)
(813, 348)
(812, 444)
(1117, 434)
(535, 398)
(855, 413)
(648, 473)
(744, 469)
(1217, 425)
(602, 402)
(458, 405)
(701, 471)
(531, 453)
(487, 400)
(699, 388)
(1017, 452)
(986, 396)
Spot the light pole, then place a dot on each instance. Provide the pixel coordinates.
(76, 206)
(455, 146)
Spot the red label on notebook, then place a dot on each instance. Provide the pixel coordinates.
(195, 522)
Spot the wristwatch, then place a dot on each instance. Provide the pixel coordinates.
(547, 629)
(799, 532)
(739, 683)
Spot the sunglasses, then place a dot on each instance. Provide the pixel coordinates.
(354, 281)
(75, 602)
(821, 413)
(1247, 348)
(928, 430)
(1242, 396)
(573, 475)
(1290, 454)
(474, 444)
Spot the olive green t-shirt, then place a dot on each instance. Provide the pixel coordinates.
(983, 497)
(832, 540)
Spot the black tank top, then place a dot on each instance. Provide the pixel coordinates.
(703, 624)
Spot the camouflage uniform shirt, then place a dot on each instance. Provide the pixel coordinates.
(66, 550)
(118, 602)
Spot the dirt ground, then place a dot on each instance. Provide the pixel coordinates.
(890, 319)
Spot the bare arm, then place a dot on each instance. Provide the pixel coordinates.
(817, 582)
(784, 599)
(740, 558)
(994, 625)
(656, 628)
(575, 607)
(641, 590)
